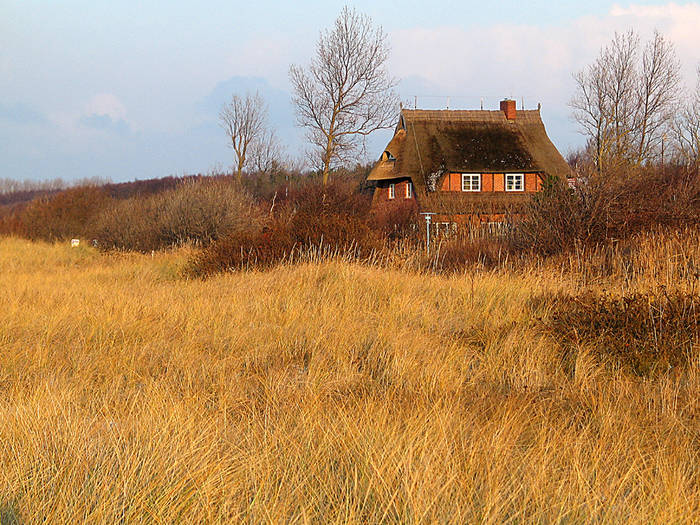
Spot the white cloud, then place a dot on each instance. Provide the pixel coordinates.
(669, 11)
(534, 63)
(106, 104)
(530, 60)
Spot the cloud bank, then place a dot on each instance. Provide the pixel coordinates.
(133, 106)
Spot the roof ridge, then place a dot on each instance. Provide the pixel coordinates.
(454, 111)
(528, 116)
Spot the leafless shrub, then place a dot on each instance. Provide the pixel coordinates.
(312, 217)
(611, 206)
(67, 214)
(686, 129)
(644, 333)
(197, 212)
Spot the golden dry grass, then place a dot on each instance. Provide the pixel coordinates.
(327, 393)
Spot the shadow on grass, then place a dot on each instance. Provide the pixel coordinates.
(9, 514)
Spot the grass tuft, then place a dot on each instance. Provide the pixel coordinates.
(335, 392)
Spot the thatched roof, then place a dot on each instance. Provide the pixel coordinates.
(428, 144)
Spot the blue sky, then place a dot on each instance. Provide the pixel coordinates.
(129, 90)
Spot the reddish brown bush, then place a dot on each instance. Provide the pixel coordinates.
(339, 197)
(324, 235)
(397, 222)
(608, 206)
(10, 221)
(330, 221)
(67, 214)
(456, 253)
(642, 333)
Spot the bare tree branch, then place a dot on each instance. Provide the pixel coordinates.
(266, 153)
(346, 92)
(624, 100)
(686, 128)
(657, 93)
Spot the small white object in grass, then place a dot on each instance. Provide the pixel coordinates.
(74, 243)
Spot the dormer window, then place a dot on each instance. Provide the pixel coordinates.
(388, 156)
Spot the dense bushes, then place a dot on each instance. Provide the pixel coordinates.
(330, 219)
(608, 206)
(67, 214)
(197, 212)
(643, 333)
(240, 229)
(396, 222)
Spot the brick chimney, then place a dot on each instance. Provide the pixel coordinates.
(508, 107)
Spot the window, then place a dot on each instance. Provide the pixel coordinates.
(471, 182)
(442, 228)
(409, 190)
(392, 191)
(515, 182)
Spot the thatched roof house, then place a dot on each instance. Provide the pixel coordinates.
(466, 164)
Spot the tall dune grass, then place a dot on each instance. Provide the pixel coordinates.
(328, 392)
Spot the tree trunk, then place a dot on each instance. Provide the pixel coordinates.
(327, 159)
(239, 170)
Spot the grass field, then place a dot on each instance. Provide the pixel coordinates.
(329, 393)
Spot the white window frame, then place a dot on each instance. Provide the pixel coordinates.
(471, 177)
(392, 191)
(515, 177)
(409, 190)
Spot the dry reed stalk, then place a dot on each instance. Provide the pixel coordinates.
(324, 391)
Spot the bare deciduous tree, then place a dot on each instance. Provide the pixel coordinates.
(657, 93)
(266, 153)
(686, 128)
(590, 109)
(623, 101)
(346, 92)
(244, 120)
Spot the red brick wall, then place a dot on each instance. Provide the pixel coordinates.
(452, 182)
(381, 193)
(446, 182)
(489, 182)
(531, 182)
(499, 182)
